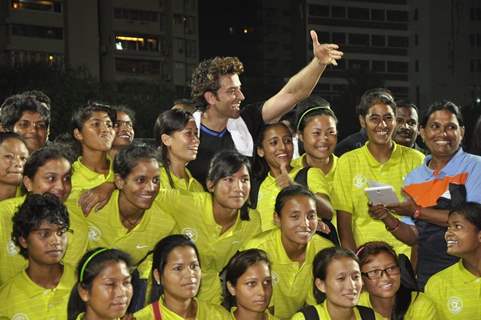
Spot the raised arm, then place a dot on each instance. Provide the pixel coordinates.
(301, 84)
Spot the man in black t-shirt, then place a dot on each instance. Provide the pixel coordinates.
(216, 92)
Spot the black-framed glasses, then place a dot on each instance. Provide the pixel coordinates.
(377, 273)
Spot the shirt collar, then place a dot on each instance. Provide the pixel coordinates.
(451, 166)
(395, 157)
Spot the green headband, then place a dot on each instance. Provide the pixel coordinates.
(93, 255)
(310, 110)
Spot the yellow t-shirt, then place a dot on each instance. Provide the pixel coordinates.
(188, 185)
(11, 262)
(269, 189)
(84, 178)
(193, 213)
(456, 293)
(205, 311)
(300, 162)
(20, 296)
(354, 170)
(421, 307)
(266, 313)
(106, 230)
(82, 315)
(324, 313)
(292, 282)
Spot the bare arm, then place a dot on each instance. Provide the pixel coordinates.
(96, 197)
(434, 216)
(344, 227)
(301, 84)
(324, 207)
(403, 232)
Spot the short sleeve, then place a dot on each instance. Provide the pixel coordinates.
(341, 192)
(317, 182)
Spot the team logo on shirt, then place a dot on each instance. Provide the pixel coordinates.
(455, 305)
(12, 249)
(275, 277)
(191, 233)
(94, 233)
(20, 316)
(359, 181)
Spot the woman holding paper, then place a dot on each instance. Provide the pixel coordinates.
(380, 160)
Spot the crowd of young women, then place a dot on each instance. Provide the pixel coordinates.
(259, 241)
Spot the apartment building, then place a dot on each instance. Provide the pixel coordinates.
(374, 36)
(445, 51)
(113, 39)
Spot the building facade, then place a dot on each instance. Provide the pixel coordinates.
(374, 36)
(113, 39)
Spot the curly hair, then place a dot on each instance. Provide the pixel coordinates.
(206, 77)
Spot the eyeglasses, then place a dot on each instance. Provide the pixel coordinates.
(377, 273)
(47, 233)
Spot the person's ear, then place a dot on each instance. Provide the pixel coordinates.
(277, 220)
(83, 293)
(260, 152)
(231, 288)
(77, 134)
(210, 97)
(210, 186)
(321, 285)
(119, 182)
(23, 242)
(462, 133)
(300, 135)
(27, 183)
(156, 276)
(421, 132)
(362, 121)
(166, 139)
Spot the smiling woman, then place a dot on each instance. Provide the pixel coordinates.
(453, 290)
(384, 291)
(131, 220)
(274, 172)
(176, 134)
(219, 221)
(13, 155)
(291, 247)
